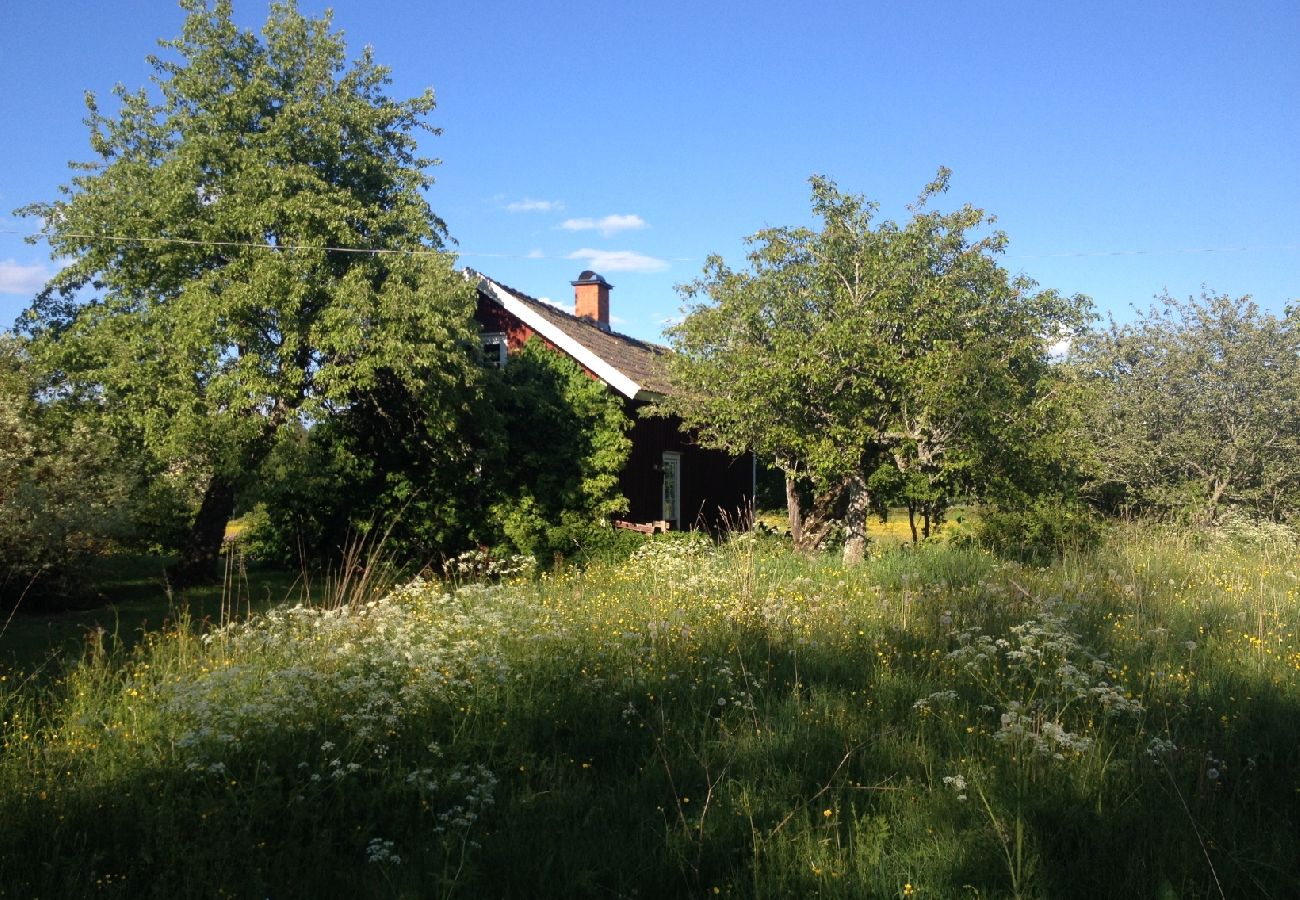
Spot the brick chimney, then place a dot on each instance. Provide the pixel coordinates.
(591, 299)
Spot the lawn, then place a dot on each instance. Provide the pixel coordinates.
(698, 720)
(130, 595)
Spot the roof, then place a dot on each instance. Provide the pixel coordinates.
(632, 367)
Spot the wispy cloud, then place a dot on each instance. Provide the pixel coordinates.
(16, 278)
(535, 254)
(619, 260)
(528, 204)
(607, 226)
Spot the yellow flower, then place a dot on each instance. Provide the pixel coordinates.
(908, 890)
(826, 813)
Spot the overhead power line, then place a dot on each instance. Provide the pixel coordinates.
(1083, 253)
(372, 251)
(425, 251)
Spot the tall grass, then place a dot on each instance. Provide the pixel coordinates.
(738, 721)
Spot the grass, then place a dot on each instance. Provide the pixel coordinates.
(131, 597)
(735, 721)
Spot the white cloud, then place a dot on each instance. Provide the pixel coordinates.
(528, 204)
(15, 278)
(619, 260)
(549, 302)
(607, 226)
(1060, 344)
(535, 254)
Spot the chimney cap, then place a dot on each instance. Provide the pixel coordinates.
(590, 277)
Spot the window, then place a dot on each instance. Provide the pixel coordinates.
(672, 508)
(494, 349)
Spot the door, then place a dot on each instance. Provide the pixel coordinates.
(672, 507)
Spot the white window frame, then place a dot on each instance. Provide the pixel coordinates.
(497, 339)
(672, 471)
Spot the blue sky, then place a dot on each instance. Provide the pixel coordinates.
(1126, 148)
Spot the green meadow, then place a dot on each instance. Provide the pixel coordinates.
(734, 720)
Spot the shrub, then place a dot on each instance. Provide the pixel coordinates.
(567, 441)
(63, 497)
(1037, 532)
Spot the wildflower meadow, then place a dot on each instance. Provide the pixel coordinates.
(700, 719)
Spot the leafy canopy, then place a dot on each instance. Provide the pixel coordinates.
(860, 343)
(1196, 406)
(251, 246)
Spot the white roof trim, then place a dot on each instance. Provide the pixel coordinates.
(539, 323)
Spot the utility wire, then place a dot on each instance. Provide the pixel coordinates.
(374, 251)
(1152, 252)
(127, 239)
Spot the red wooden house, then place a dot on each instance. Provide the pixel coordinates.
(668, 477)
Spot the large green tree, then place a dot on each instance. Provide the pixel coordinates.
(1196, 407)
(860, 344)
(251, 248)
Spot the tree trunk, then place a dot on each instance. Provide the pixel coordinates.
(826, 512)
(198, 561)
(911, 520)
(855, 521)
(1211, 511)
(793, 510)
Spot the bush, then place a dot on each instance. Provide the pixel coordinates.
(566, 437)
(1038, 532)
(63, 496)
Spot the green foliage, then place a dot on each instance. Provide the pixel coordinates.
(204, 304)
(565, 443)
(531, 462)
(298, 512)
(1196, 408)
(394, 461)
(66, 491)
(861, 344)
(1039, 531)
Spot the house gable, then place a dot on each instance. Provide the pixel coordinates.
(630, 366)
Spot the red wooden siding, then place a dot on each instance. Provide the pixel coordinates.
(491, 317)
(715, 486)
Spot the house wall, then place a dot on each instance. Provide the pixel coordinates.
(492, 317)
(715, 486)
